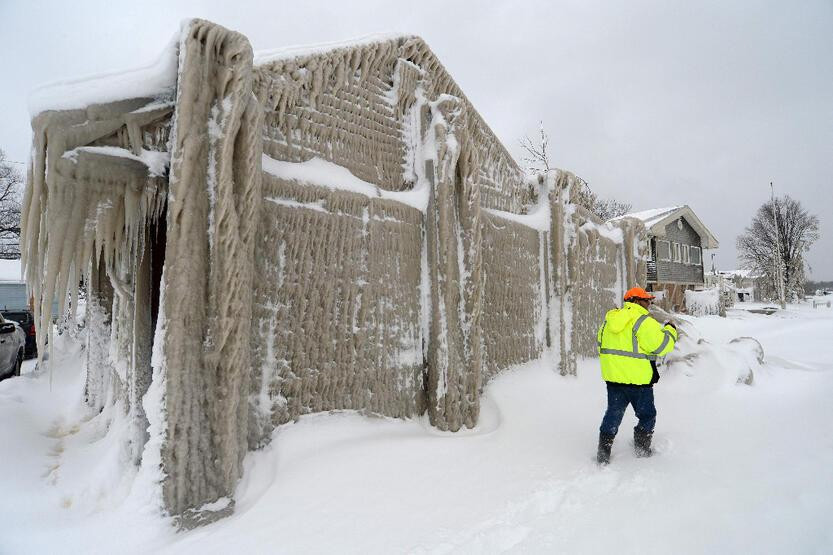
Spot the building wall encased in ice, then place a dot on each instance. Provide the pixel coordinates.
(512, 295)
(603, 263)
(337, 321)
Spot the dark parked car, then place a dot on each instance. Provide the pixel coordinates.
(12, 345)
(27, 323)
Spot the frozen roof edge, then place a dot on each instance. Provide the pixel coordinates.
(262, 57)
(159, 78)
(154, 80)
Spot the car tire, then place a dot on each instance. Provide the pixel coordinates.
(18, 363)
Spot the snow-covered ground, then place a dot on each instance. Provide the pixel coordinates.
(739, 469)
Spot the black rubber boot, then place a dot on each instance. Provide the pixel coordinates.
(642, 443)
(605, 444)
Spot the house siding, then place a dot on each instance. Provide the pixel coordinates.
(13, 296)
(677, 272)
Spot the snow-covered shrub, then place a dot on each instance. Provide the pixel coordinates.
(712, 365)
(703, 303)
(749, 355)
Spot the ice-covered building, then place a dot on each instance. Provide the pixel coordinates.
(300, 231)
(675, 243)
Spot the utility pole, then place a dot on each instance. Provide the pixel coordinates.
(779, 271)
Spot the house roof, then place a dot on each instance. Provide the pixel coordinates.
(656, 219)
(157, 80)
(741, 273)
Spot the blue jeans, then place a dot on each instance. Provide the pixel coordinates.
(619, 396)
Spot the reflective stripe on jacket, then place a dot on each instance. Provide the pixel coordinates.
(629, 340)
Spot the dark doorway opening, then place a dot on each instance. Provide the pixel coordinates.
(158, 237)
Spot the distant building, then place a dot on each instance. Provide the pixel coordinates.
(741, 285)
(676, 240)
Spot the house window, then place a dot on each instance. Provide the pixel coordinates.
(675, 252)
(696, 257)
(685, 254)
(663, 251)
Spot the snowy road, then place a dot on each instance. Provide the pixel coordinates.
(739, 468)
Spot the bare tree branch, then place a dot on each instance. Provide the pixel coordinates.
(537, 160)
(11, 185)
(537, 154)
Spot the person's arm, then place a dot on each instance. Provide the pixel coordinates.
(656, 339)
(599, 337)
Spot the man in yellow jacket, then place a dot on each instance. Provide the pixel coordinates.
(630, 341)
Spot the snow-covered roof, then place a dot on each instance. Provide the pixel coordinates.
(153, 81)
(159, 78)
(656, 219)
(262, 57)
(742, 273)
(649, 217)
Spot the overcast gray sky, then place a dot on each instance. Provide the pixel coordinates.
(653, 103)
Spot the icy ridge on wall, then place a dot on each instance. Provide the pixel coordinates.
(212, 209)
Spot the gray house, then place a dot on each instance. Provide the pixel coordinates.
(676, 240)
(13, 295)
(13, 292)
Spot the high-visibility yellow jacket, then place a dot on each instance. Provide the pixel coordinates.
(629, 340)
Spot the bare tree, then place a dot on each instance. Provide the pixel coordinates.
(537, 157)
(11, 185)
(764, 247)
(537, 160)
(607, 208)
(604, 208)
